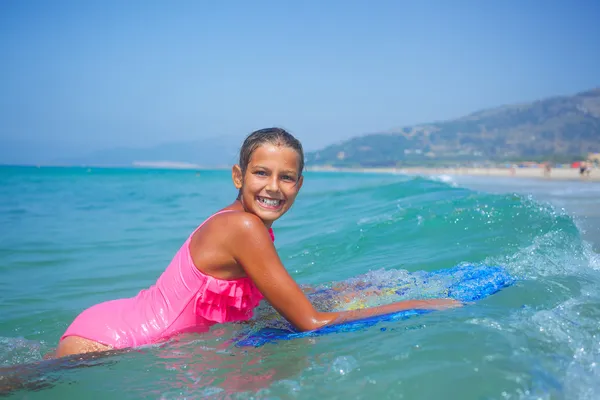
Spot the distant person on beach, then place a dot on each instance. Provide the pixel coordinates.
(582, 169)
(225, 267)
(547, 169)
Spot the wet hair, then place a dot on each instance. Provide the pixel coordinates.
(274, 136)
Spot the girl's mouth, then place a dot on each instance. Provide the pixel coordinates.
(271, 204)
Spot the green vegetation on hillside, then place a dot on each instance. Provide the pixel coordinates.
(558, 129)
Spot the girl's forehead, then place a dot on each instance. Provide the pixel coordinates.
(275, 153)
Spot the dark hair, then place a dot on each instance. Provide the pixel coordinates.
(274, 136)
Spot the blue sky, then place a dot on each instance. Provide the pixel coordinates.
(92, 75)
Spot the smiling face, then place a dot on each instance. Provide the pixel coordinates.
(271, 181)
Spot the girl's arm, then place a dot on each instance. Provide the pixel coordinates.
(253, 249)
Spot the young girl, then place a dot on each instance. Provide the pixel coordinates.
(225, 268)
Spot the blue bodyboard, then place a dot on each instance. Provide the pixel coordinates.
(466, 283)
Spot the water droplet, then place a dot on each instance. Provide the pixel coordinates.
(343, 365)
(290, 385)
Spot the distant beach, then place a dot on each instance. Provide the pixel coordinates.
(570, 174)
(564, 174)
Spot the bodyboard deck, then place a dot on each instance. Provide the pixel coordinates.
(466, 283)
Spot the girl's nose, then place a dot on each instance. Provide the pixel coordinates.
(273, 184)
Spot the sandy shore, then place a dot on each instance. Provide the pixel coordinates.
(569, 174)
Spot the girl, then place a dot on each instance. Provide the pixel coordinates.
(225, 268)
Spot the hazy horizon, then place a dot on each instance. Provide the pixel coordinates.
(82, 77)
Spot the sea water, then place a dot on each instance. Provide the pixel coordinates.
(73, 237)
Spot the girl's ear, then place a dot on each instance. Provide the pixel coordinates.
(237, 176)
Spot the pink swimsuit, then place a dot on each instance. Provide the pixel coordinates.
(182, 300)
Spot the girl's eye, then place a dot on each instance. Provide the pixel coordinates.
(261, 173)
(287, 178)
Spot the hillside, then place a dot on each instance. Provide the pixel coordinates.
(558, 127)
(209, 152)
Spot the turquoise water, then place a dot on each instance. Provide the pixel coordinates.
(72, 237)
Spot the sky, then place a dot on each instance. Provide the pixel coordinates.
(92, 75)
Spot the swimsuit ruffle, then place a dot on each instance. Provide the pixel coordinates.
(227, 301)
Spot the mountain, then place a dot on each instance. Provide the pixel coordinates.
(18, 151)
(557, 127)
(564, 127)
(212, 152)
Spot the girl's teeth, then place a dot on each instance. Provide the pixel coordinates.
(269, 202)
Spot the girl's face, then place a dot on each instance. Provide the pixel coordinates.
(271, 182)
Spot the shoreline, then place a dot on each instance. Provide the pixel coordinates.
(557, 174)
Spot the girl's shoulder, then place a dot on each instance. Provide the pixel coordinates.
(242, 222)
(231, 223)
(238, 216)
